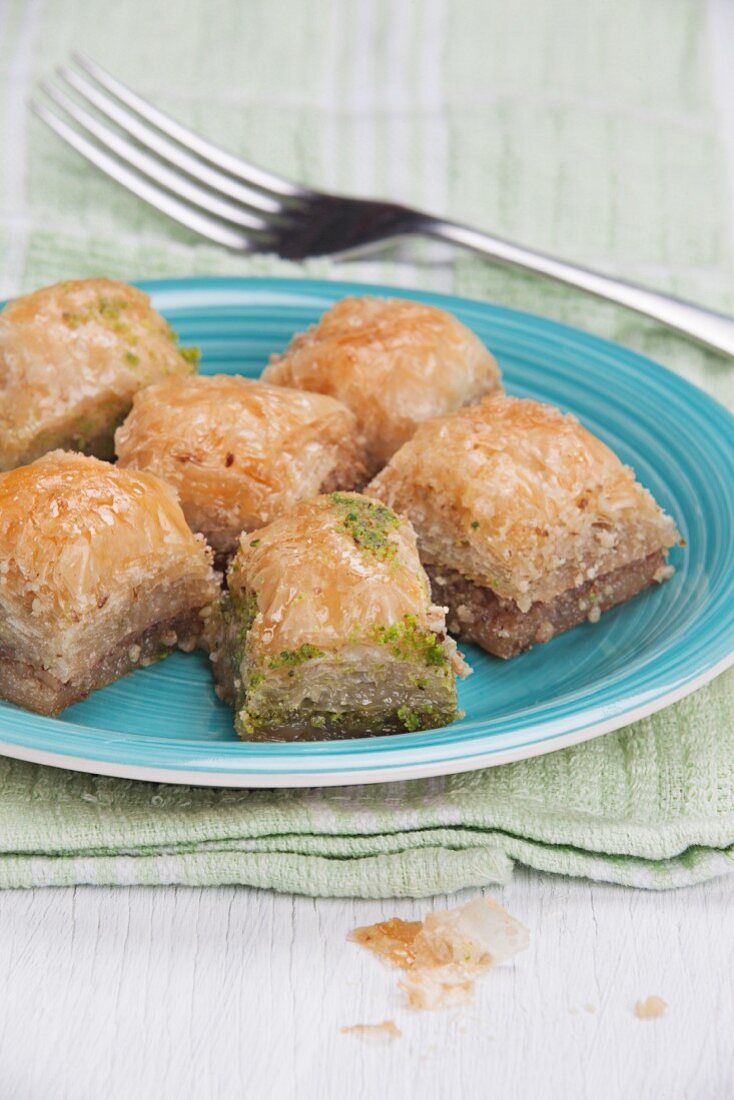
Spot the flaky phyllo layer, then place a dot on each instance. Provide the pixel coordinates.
(394, 362)
(98, 570)
(239, 452)
(71, 358)
(520, 498)
(328, 629)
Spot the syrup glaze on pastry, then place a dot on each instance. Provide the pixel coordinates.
(239, 452)
(520, 501)
(394, 362)
(99, 573)
(328, 629)
(71, 358)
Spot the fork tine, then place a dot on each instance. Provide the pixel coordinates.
(169, 150)
(206, 226)
(242, 169)
(154, 169)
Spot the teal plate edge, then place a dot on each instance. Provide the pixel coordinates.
(703, 650)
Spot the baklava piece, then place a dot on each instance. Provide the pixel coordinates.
(527, 524)
(99, 573)
(239, 452)
(71, 358)
(394, 362)
(328, 630)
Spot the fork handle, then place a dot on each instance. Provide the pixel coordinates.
(716, 330)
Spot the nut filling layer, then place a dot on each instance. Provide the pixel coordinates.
(477, 614)
(39, 690)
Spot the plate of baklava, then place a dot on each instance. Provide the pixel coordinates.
(260, 532)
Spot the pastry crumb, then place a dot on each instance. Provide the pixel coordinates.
(650, 1009)
(393, 940)
(426, 992)
(374, 1033)
(444, 953)
(589, 1008)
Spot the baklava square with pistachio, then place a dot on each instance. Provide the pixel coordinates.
(99, 575)
(328, 630)
(71, 357)
(527, 523)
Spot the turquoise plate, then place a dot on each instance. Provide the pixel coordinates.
(165, 723)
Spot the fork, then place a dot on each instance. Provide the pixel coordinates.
(249, 210)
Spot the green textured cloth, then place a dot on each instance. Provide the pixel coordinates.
(583, 127)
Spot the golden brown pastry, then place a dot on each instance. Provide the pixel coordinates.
(99, 573)
(71, 358)
(239, 452)
(394, 362)
(328, 629)
(527, 523)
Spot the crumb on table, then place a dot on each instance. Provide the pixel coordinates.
(374, 1033)
(650, 1009)
(444, 952)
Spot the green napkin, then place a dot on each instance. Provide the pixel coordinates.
(583, 127)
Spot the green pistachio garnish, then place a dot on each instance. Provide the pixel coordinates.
(289, 658)
(368, 524)
(110, 310)
(411, 642)
(191, 355)
(414, 719)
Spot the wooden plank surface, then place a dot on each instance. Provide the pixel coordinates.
(235, 993)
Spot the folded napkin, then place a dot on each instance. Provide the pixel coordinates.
(585, 128)
(651, 806)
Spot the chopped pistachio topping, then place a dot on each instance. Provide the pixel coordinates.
(289, 658)
(191, 355)
(368, 524)
(475, 525)
(411, 642)
(414, 719)
(132, 358)
(409, 718)
(110, 310)
(241, 609)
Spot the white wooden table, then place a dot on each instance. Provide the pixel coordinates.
(236, 993)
